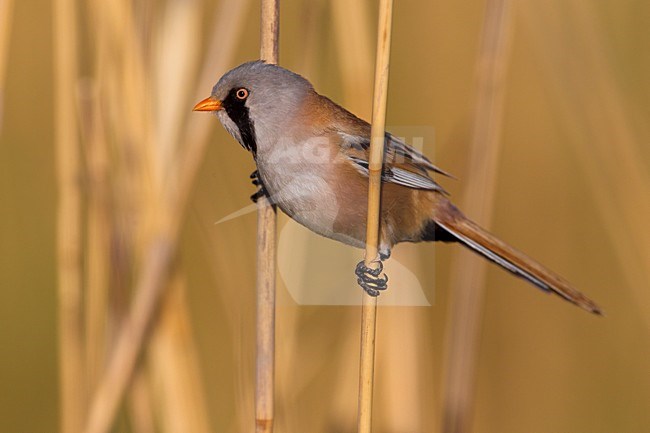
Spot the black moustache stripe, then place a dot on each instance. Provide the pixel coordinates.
(239, 113)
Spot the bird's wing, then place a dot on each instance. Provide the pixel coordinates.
(403, 164)
(397, 150)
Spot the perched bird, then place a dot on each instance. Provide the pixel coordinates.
(312, 162)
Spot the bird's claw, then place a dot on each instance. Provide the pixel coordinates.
(369, 280)
(258, 194)
(261, 192)
(255, 176)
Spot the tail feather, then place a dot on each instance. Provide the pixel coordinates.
(479, 240)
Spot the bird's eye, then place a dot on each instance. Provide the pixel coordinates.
(242, 94)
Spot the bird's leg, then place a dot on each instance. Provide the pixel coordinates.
(368, 278)
(261, 191)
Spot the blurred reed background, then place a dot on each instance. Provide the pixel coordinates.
(96, 130)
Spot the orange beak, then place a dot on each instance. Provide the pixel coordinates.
(208, 104)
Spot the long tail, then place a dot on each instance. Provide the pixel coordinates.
(479, 240)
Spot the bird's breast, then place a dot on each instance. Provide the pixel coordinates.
(300, 179)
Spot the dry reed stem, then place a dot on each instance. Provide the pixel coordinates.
(375, 164)
(367, 363)
(270, 31)
(468, 271)
(266, 266)
(98, 234)
(71, 352)
(265, 359)
(6, 10)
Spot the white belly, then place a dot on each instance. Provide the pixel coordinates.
(300, 184)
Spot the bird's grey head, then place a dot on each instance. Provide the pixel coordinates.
(256, 102)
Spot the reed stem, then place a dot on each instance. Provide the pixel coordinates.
(266, 232)
(98, 229)
(375, 163)
(69, 238)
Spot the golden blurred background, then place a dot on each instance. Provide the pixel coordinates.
(571, 187)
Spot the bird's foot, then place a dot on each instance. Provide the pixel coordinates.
(261, 191)
(369, 278)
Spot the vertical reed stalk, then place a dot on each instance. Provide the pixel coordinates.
(97, 247)
(71, 351)
(266, 232)
(375, 163)
(468, 274)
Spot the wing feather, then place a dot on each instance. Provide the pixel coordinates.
(399, 176)
(403, 165)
